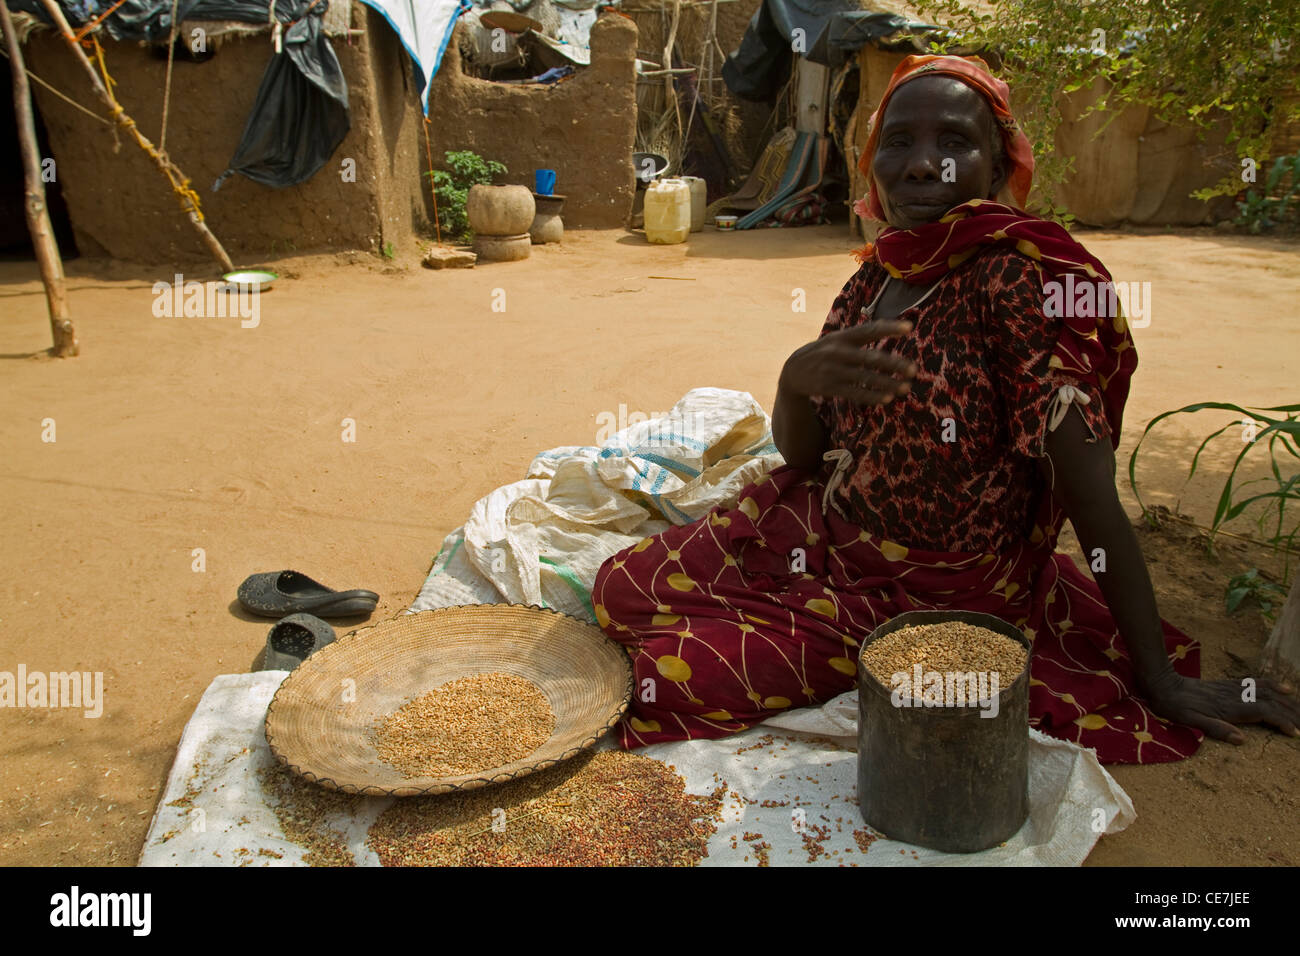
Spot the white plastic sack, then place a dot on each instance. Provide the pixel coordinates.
(542, 540)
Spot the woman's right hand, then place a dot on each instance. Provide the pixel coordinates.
(845, 364)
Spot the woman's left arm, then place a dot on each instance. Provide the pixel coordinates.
(1081, 474)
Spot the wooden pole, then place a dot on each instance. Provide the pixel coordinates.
(164, 164)
(670, 88)
(38, 216)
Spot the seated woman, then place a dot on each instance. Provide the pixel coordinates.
(936, 436)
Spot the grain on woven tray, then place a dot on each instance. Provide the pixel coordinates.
(466, 725)
(605, 809)
(947, 647)
(304, 811)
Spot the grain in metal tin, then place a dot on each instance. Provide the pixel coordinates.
(947, 647)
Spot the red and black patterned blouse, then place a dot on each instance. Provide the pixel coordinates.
(950, 466)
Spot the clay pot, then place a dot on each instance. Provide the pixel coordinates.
(547, 225)
(503, 248)
(500, 210)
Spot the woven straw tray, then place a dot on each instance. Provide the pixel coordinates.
(319, 721)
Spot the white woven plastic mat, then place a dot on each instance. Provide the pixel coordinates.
(790, 783)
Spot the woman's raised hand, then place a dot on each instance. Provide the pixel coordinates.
(847, 364)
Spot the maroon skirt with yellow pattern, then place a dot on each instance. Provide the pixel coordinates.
(752, 611)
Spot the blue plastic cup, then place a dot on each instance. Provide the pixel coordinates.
(545, 181)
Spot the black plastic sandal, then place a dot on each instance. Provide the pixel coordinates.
(280, 593)
(295, 639)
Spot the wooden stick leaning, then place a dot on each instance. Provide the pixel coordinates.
(38, 216)
(670, 88)
(178, 180)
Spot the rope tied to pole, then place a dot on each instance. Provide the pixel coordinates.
(63, 96)
(167, 86)
(189, 199)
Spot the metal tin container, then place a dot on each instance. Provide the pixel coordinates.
(951, 778)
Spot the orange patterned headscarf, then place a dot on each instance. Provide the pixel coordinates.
(1097, 351)
(974, 73)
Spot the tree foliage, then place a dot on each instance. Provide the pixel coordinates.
(1193, 62)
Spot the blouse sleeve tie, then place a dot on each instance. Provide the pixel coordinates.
(1060, 405)
(843, 458)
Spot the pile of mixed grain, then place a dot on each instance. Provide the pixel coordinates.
(948, 647)
(305, 812)
(466, 725)
(605, 809)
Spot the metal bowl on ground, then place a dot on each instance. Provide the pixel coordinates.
(319, 723)
(951, 778)
(249, 280)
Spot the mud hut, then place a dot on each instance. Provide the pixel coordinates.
(582, 127)
(370, 193)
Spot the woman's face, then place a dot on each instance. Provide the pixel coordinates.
(938, 147)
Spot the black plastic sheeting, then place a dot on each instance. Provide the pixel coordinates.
(832, 29)
(300, 114)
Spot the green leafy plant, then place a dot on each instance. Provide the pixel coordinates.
(1193, 63)
(452, 186)
(387, 250)
(1264, 210)
(1251, 584)
(1257, 428)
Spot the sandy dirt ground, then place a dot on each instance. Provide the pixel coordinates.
(176, 434)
